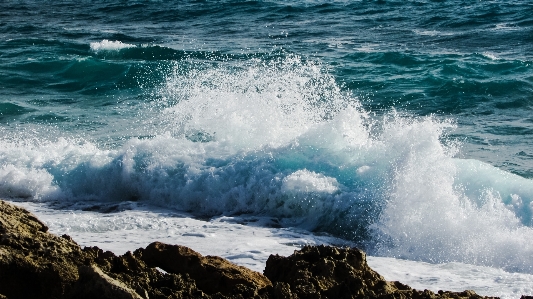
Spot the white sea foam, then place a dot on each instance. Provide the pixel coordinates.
(280, 138)
(442, 209)
(24, 182)
(107, 45)
(308, 181)
(490, 55)
(457, 277)
(432, 32)
(246, 241)
(506, 27)
(253, 105)
(138, 225)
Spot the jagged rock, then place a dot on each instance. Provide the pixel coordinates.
(212, 274)
(148, 281)
(326, 272)
(34, 263)
(37, 264)
(331, 272)
(94, 283)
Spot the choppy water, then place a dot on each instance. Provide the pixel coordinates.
(402, 126)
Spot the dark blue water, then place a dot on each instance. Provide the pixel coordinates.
(353, 118)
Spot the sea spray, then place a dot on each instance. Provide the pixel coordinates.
(260, 102)
(443, 209)
(281, 138)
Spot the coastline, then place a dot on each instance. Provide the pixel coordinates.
(28, 249)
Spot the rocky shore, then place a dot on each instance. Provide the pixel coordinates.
(37, 264)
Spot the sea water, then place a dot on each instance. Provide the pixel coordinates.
(246, 128)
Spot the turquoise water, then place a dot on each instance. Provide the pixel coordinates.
(403, 126)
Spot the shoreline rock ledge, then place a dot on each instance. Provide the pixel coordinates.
(37, 264)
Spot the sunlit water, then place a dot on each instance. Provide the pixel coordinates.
(400, 128)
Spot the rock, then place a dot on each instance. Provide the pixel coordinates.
(134, 274)
(94, 283)
(37, 264)
(211, 274)
(34, 263)
(326, 272)
(331, 272)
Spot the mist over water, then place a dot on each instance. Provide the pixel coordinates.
(409, 137)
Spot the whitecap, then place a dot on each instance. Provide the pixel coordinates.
(107, 45)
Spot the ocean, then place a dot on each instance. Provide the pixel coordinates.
(249, 128)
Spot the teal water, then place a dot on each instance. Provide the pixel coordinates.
(353, 118)
(463, 61)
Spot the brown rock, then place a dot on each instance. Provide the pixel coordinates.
(211, 274)
(331, 272)
(34, 263)
(94, 283)
(134, 274)
(37, 264)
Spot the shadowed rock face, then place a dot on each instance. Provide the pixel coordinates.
(37, 264)
(330, 272)
(211, 274)
(32, 261)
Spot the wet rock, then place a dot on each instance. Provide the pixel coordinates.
(94, 283)
(34, 263)
(37, 264)
(135, 275)
(331, 272)
(211, 274)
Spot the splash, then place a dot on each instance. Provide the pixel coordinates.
(308, 181)
(280, 137)
(251, 105)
